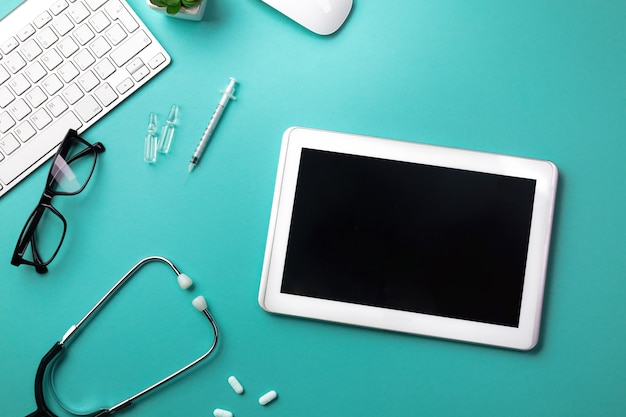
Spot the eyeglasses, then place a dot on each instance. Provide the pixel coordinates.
(44, 231)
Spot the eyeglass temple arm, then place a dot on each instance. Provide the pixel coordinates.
(42, 408)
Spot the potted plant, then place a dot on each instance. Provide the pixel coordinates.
(182, 9)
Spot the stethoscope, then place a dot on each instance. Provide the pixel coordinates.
(199, 303)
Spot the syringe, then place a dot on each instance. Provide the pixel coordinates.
(227, 94)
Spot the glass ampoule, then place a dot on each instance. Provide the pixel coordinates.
(150, 141)
(167, 132)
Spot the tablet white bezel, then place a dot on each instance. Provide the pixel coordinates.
(523, 337)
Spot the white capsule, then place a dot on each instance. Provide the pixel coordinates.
(184, 281)
(218, 412)
(235, 385)
(268, 397)
(199, 303)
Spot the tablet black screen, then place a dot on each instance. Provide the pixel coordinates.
(409, 237)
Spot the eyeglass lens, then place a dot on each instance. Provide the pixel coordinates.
(70, 173)
(48, 235)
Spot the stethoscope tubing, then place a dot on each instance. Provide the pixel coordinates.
(73, 329)
(52, 354)
(127, 402)
(42, 407)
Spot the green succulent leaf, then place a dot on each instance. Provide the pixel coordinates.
(189, 3)
(173, 6)
(173, 9)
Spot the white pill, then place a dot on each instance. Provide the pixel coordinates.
(218, 412)
(268, 397)
(184, 281)
(236, 386)
(199, 303)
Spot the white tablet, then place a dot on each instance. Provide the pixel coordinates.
(408, 237)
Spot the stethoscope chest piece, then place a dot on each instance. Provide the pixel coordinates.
(44, 374)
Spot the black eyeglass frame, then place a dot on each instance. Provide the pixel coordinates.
(27, 236)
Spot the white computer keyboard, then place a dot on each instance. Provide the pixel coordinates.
(65, 64)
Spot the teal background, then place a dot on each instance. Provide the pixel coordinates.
(540, 79)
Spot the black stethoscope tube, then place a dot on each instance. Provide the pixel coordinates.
(42, 407)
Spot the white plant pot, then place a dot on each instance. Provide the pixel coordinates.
(195, 13)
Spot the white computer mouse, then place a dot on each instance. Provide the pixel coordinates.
(320, 16)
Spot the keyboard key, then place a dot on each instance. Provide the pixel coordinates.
(156, 61)
(46, 37)
(9, 45)
(43, 19)
(141, 73)
(88, 81)
(14, 62)
(67, 47)
(6, 96)
(9, 144)
(36, 97)
(118, 12)
(130, 48)
(84, 59)
(19, 84)
(52, 84)
(83, 34)
(124, 86)
(95, 4)
(72, 93)
(56, 106)
(116, 34)
(78, 12)
(19, 109)
(62, 25)
(100, 47)
(58, 7)
(51, 59)
(35, 72)
(48, 140)
(99, 22)
(105, 94)
(4, 75)
(68, 71)
(6, 122)
(134, 65)
(41, 118)
(25, 131)
(104, 68)
(87, 108)
(30, 50)
(26, 32)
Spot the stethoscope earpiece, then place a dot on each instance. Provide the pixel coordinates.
(200, 303)
(184, 281)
